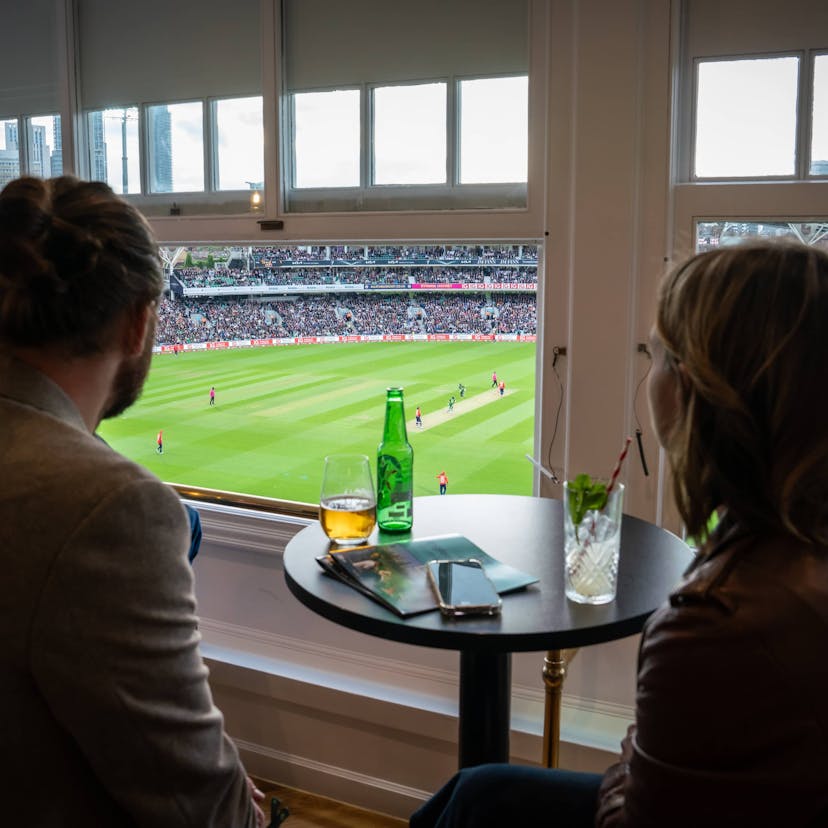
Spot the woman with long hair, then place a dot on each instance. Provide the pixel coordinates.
(731, 721)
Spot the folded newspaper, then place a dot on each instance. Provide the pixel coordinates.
(394, 574)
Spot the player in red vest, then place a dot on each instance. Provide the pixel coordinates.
(442, 478)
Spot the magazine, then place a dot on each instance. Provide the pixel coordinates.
(394, 574)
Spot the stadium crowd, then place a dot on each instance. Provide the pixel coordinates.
(372, 276)
(372, 254)
(186, 321)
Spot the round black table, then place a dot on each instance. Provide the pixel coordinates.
(526, 532)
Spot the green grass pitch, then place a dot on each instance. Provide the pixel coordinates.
(280, 410)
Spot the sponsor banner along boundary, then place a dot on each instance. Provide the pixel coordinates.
(320, 340)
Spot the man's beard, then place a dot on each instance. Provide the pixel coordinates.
(130, 378)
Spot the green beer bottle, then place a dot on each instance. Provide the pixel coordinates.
(395, 469)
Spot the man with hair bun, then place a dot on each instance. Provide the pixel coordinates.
(107, 717)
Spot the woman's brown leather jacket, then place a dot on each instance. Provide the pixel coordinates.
(732, 697)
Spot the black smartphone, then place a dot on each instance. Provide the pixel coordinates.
(463, 588)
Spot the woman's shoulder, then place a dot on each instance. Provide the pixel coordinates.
(752, 588)
(745, 566)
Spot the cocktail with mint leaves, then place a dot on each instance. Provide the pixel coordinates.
(592, 536)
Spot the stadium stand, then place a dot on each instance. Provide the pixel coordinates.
(264, 293)
(205, 320)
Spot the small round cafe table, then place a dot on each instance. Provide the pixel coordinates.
(527, 533)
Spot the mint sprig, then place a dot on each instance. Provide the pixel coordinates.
(585, 494)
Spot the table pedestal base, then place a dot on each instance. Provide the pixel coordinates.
(484, 715)
(554, 673)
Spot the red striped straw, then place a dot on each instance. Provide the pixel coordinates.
(617, 470)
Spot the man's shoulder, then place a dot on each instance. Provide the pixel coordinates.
(73, 464)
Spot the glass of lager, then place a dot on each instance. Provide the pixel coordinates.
(347, 504)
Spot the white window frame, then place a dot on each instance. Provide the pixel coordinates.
(800, 197)
(688, 98)
(815, 53)
(802, 118)
(397, 197)
(208, 200)
(24, 135)
(211, 174)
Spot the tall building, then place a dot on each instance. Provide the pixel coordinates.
(161, 177)
(10, 156)
(9, 166)
(12, 138)
(40, 156)
(57, 148)
(97, 147)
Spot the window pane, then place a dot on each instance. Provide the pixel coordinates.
(326, 141)
(114, 155)
(240, 143)
(410, 134)
(746, 118)
(45, 153)
(710, 234)
(176, 147)
(9, 152)
(299, 339)
(819, 123)
(494, 130)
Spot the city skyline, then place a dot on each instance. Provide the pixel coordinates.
(45, 152)
(43, 161)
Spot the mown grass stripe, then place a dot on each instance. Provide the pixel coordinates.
(280, 410)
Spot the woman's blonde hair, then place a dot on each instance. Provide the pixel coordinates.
(748, 326)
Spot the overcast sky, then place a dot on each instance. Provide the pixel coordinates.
(746, 116)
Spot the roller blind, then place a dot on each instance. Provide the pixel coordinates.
(167, 50)
(28, 60)
(713, 28)
(330, 43)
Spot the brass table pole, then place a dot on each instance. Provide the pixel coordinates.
(554, 673)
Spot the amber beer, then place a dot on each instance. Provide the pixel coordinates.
(347, 518)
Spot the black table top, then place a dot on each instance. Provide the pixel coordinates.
(526, 532)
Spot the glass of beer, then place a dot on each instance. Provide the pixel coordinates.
(347, 504)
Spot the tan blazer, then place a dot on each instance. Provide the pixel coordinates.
(106, 718)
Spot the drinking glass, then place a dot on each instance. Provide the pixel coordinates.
(347, 505)
(591, 550)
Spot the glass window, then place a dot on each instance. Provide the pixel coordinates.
(326, 139)
(45, 147)
(746, 118)
(410, 134)
(239, 143)
(819, 121)
(114, 155)
(494, 130)
(710, 234)
(9, 152)
(298, 339)
(175, 136)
